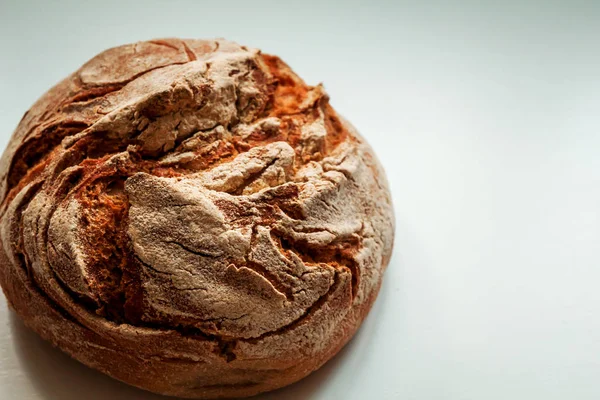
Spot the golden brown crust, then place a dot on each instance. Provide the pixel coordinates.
(191, 218)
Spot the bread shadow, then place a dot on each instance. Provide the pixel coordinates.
(56, 376)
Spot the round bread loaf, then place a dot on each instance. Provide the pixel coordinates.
(191, 218)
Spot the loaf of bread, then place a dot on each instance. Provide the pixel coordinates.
(191, 218)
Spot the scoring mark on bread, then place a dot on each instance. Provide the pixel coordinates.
(199, 252)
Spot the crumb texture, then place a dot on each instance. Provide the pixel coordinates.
(190, 217)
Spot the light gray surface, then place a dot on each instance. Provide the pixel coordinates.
(487, 119)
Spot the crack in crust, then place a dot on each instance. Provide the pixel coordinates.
(200, 188)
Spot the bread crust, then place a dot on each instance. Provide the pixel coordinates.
(191, 218)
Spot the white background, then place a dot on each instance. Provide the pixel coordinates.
(486, 116)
